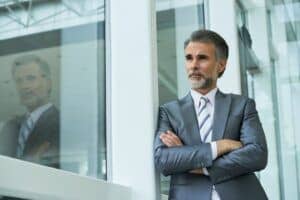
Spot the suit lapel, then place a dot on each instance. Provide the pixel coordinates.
(222, 108)
(190, 119)
(41, 126)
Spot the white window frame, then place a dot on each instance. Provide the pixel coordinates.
(35, 182)
(132, 103)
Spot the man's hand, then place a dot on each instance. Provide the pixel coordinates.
(226, 145)
(170, 139)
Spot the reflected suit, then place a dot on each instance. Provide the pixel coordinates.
(42, 145)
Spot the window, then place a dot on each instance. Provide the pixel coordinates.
(52, 84)
(175, 22)
(273, 80)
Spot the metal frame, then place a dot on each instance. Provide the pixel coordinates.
(108, 82)
(21, 13)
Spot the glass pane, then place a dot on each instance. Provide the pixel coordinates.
(285, 26)
(270, 64)
(175, 22)
(52, 84)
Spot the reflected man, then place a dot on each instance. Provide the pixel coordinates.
(211, 143)
(34, 136)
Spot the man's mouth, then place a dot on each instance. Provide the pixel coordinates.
(195, 76)
(26, 94)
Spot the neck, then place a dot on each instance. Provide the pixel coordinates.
(204, 91)
(31, 109)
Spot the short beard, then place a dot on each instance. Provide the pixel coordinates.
(204, 83)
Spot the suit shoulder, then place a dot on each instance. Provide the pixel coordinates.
(239, 101)
(239, 98)
(170, 104)
(52, 113)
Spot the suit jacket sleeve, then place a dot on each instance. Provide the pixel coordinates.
(251, 157)
(178, 159)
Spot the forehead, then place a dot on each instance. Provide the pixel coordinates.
(200, 48)
(28, 69)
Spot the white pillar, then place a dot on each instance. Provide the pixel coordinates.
(134, 95)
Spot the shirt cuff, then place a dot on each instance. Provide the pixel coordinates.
(214, 150)
(205, 172)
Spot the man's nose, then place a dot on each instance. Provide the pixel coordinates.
(24, 85)
(195, 64)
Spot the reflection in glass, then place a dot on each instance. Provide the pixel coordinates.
(34, 134)
(276, 89)
(52, 84)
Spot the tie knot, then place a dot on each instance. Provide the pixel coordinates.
(203, 101)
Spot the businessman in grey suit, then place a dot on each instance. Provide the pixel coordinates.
(210, 143)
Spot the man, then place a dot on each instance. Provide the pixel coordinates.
(33, 136)
(210, 143)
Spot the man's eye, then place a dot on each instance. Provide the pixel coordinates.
(202, 57)
(188, 57)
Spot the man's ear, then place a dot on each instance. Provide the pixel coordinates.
(222, 65)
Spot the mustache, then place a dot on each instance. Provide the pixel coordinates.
(25, 93)
(193, 73)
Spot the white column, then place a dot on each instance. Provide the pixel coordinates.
(133, 100)
(222, 20)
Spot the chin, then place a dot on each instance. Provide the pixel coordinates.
(197, 84)
(28, 104)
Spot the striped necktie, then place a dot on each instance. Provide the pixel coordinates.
(205, 127)
(204, 119)
(25, 130)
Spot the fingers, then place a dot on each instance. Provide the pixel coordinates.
(174, 137)
(227, 145)
(236, 145)
(233, 145)
(170, 139)
(168, 142)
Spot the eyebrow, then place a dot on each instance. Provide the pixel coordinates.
(202, 56)
(199, 56)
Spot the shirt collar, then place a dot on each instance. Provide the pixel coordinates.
(210, 95)
(35, 115)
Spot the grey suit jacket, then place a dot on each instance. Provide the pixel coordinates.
(232, 174)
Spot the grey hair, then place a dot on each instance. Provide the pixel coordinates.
(28, 59)
(208, 36)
